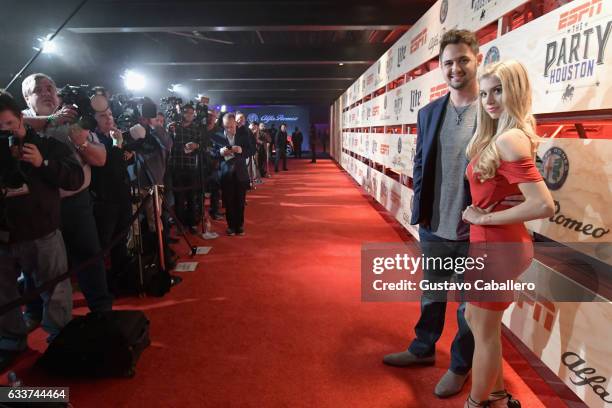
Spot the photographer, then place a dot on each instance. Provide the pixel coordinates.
(213, 180)
(77, 221)
(256, 157)
(264, 141)
(189, 138)
(151, 146)
(30, 224)
(110, 188)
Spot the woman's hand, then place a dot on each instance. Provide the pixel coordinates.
(476, 215)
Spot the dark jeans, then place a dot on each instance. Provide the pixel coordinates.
(111, 220)
(433, 309)
(213, 186)
(234, 196)
(186, 202)
(81, 237)
(281, 153)
(298, 150)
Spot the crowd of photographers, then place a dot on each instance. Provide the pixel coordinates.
(77, 164)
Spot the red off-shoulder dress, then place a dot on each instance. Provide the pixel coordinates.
(505, 261)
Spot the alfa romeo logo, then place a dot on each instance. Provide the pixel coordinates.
(253, 117)
(555, 168)
(493, 55)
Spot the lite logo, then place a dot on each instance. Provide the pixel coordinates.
(415, 99)
(401, 55)
(418, 41)
(573, 361)
(575, 15)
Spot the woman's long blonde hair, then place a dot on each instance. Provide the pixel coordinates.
(516, 100)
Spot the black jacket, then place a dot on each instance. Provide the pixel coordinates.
(111, 182)
(236, 166)
(281, 140)
(37, 213)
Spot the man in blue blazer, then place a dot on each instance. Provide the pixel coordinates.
(444, 128)
(231, 147)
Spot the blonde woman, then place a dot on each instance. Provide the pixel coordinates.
(501, 155)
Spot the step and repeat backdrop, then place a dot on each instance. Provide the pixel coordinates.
(566, 52)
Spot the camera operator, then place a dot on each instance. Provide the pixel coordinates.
(189, 138)
(110, 188)
(265, 139)
(152, 147)
(32, 241)
(213, 181)
(256, 158)
(77, 221)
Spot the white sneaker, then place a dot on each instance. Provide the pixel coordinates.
(210, 235)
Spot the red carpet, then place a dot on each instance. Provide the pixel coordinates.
(274, 318)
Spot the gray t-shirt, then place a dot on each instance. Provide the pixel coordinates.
(450, 194)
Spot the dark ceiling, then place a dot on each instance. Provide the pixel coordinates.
(237, 52)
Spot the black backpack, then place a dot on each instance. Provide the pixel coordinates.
(156, 282)
(100, 344)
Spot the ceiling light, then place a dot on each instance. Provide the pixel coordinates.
(47, 46)
(133, 80)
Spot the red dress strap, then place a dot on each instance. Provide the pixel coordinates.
(520, 171)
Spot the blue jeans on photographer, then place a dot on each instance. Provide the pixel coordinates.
(80, 233)
(39, 260)
(433, 307)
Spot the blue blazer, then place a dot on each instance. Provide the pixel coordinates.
(429, 122)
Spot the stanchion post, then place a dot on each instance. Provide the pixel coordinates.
(158, 227)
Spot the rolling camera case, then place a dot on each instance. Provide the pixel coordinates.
(100, 344)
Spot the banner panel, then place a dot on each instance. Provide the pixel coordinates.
(566, 55)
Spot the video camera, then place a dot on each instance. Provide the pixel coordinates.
(11, 175)
(201, 111)
(125, 110)
(171, 106)
(87, 102)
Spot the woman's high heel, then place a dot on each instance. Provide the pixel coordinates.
(500, 395)
(471, 403)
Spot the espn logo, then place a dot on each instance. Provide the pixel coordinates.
(575, 15)
(543, 311)
(418, 41)
(438, 91)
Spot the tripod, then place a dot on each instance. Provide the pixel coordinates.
(158, 204)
